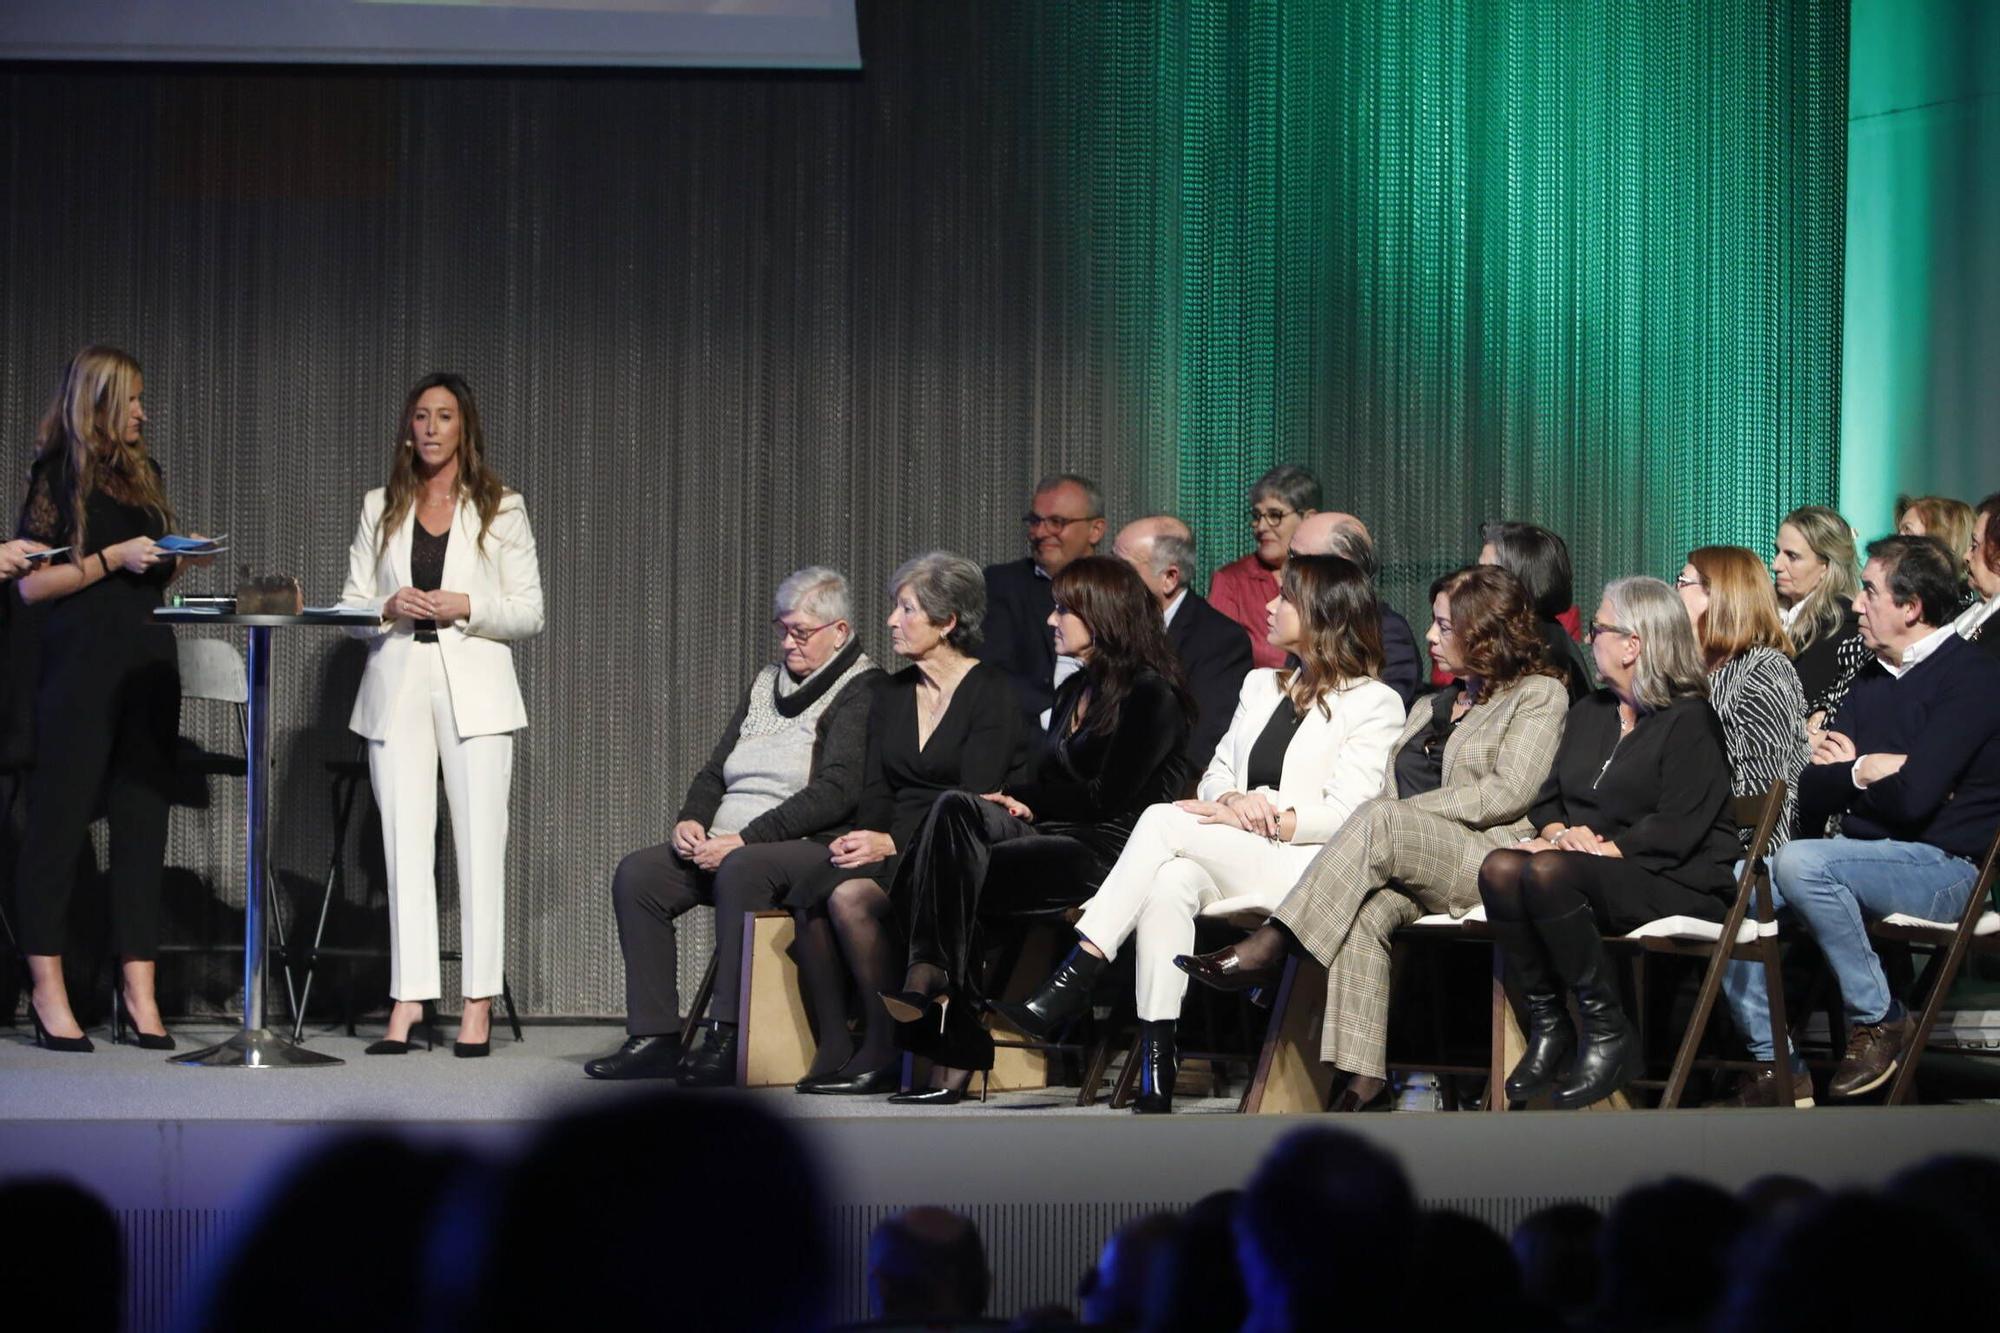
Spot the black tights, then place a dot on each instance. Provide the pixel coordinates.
(856, 923)
(1531, 886)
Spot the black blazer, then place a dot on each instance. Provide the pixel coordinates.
(1662, 793)
(1018, 638)
(1567, 656)
(1215, 657)
(1401, 670)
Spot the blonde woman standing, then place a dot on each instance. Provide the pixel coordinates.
(107, 703)
(444, 552)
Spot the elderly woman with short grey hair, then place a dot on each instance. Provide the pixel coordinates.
(1245, 587)
(785, 777)
(945, 722)
(1635, 823)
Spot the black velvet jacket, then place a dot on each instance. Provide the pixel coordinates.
(1093, 787)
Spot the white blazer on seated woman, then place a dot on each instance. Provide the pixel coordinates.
(439, 691)
(1262, 811)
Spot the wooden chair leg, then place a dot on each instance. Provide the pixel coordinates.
(1496, 1060)
(696, 1010)
(1920, 1035)
(1093, 1068)
(1121, 1090)
(1774, 996)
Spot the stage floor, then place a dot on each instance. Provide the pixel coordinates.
(182, 1153)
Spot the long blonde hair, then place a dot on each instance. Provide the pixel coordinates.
(85, 423)
(1829, 537)
(476, 481)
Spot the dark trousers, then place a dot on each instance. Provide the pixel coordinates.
(106, 719)
(971, 858)
(655, 885)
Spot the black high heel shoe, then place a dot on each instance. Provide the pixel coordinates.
(909, 1006)
(840, 1083)
(49, 1043)
(388, 1046)
(947, 1095)
(149, 1041)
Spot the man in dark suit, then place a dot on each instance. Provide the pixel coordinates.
(1064, 522)
(1213, 649)
(1344, 535)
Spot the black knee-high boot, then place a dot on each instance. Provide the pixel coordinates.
(1609, 1057)
(1551, 1036)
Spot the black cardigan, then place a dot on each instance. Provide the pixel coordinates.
(1662, 793)
(824, 806)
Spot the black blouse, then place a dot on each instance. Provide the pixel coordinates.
(1267, 752)
(427, 569)
(1084, 777)
(111, 514)
(1826, 668)
(974, 748)
(1662, 792)
(1420, 763)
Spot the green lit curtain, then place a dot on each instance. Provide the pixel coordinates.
(1577, 263)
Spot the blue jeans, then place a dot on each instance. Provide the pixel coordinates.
(1832, 886)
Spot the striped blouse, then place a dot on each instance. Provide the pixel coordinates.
(1762, 706)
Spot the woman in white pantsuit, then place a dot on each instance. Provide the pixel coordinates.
(445, 553)
(1307, 745)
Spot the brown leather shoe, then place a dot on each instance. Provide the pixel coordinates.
(1224, 971)
(1873, 1052)
(1761, 1089)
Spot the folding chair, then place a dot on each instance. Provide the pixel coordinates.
(1977, 930)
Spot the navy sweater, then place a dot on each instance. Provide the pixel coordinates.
(1944, 713)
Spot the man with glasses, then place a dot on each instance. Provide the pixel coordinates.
(1064, 522)
(1344, 535)
(1911, 765)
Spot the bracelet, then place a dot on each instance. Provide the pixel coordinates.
(104, 564)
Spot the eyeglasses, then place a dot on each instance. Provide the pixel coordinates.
(1596, 629)
(1273, 517)
(1055, 523)
(799, 635)
(1682, 581)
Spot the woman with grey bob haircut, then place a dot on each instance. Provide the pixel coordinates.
(950, 590)
(1635, 823)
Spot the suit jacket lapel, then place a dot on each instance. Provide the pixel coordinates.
(459, 554)
(1470, 731)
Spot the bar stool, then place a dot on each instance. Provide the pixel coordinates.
(346, 780)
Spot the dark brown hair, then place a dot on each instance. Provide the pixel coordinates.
(1988, 552)
(1343, 628)
(476, 481)
(1742, 606)
(1501, 641)
(1127, 635)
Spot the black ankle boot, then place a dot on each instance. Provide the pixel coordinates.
(1062, 999)
(1551, 1036)
(1157, 1068)
(713, 1063)
(1608, 1057)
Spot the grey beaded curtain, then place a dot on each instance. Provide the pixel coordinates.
(1574, 263)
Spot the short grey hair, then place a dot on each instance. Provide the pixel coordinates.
(816, 591)
(945, 584)
(1350, 541)
(1092, 496)
(1670, 663)
(1173, 547)
(1290, 485)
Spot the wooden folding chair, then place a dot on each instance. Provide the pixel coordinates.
(1977, 930)
(1751, 930)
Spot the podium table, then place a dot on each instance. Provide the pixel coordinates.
(256, 1046)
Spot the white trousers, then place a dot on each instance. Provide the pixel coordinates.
(1172, 867)
(477, 772)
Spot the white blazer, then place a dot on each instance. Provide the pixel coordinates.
(1333, 763)
(505, 587)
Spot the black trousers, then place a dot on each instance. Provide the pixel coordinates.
(971, 858)
(651, 890)
(107, 715)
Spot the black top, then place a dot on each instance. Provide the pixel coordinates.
(1420, 763)
(1267, 754)
(427, 569)
(825, 806)
(974, 748)
(1943, 714)
(1215, 657)
(111, 514)
(1105, 781)
(1662, 792)
(1830, 661)
(1018, 640)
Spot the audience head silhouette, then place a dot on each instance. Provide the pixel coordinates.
(62, 1248)
(1114, 1293)
(1556, 1248)
(927, 1265)
(1328, 1226)
(1197, 1286)
(1665, 1253)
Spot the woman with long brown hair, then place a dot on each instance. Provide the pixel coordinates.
(1458, 784)
(1307, 746)
(107, 706)
(445, 554)
(1114, 747)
